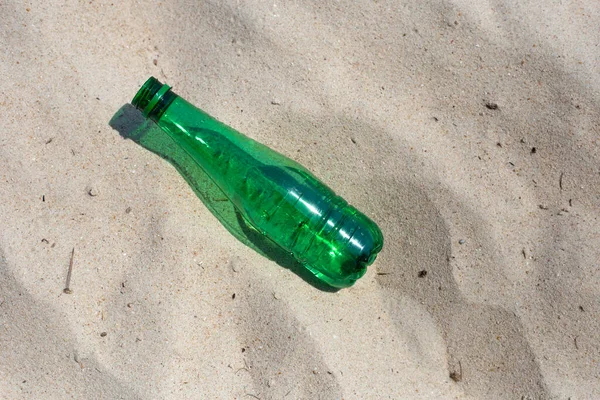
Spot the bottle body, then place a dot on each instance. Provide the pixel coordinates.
(275, 195)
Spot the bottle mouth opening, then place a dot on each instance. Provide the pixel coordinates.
(153, 98)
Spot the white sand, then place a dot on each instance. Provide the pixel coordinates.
(513, 312)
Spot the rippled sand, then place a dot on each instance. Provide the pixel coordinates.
(469, 130)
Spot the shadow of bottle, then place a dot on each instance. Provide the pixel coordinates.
(131, 124)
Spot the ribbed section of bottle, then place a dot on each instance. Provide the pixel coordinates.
(331, 238)
(346, 243)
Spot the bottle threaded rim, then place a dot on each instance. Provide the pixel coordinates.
(153, 98)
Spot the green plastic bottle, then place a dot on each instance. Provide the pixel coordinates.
(275, 195)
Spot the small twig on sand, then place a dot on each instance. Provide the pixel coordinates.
(457, 376)
(560, 180)
(67, 289)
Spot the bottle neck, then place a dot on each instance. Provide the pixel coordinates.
(153, 99)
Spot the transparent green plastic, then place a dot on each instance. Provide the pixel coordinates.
(275, 195)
